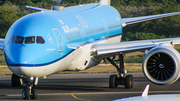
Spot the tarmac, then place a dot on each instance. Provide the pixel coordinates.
(83, 87)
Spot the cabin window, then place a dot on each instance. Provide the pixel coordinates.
(93, 31)
(30, 40)
(70, 36)
(12, 39)
(19, 39)
(40, 40)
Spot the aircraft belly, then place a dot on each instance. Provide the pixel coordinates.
(114, 39)
(81, 58)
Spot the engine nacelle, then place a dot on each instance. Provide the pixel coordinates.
(161, 65)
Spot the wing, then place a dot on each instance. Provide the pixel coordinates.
(1, 43)
(128, 21)
(131, 47)
(37, 9)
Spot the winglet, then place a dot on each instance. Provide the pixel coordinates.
(145, 92)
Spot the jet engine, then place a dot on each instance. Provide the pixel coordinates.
(161, 65)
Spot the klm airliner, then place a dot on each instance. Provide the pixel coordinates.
(80, 37)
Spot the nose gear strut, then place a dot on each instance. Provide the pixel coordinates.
(122, 79)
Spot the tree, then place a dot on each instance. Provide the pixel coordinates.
(21, 2)
(2, 2)
(7, 18)
(129, 36)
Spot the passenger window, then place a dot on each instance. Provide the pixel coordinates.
(19, 39)
(40, 40)
(12, 39)
(30, 40)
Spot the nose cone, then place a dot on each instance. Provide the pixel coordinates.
(21, 61)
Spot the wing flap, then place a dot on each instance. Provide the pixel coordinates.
(110, 49)
(129, 21)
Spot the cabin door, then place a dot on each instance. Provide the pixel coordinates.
(58, 39)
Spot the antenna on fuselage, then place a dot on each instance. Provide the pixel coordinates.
(105, 2)
(58, 8)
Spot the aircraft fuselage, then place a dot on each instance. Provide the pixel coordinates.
(43, 43)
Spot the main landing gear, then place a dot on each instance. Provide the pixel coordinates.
(29, 91)
(122, 79)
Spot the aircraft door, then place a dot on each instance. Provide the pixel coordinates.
(58, 38)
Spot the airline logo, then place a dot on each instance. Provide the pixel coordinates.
(50, 39)
(67, 29)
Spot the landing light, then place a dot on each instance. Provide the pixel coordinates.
(32, 78)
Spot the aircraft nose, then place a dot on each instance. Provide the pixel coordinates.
(21, 61)
(24, 57)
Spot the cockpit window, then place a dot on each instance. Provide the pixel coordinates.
(12, 39)
(30, 40)
(19, 39)
(40, 40)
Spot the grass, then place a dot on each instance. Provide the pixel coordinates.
(2, 60)
(102, 68)
(107, 68)
(4, 70)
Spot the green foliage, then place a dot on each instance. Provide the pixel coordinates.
(7, 17)
(67, 3)
(21, 2)
(11, 10)
(129, 36)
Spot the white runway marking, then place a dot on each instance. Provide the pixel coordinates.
(99, 93)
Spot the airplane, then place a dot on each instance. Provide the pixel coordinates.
(157, 97)
(79, 37)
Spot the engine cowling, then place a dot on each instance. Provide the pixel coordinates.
(161, 65)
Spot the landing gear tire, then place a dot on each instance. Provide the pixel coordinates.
(29, 91)
(129, 81)
(15, 80)
(113, 81)
(122, 79)
(33, 93)
(25, 93)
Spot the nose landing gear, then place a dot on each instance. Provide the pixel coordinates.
(29, 91)
(114, 80)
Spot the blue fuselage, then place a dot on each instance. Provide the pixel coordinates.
(43, 38)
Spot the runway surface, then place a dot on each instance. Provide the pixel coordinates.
(83, 87)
